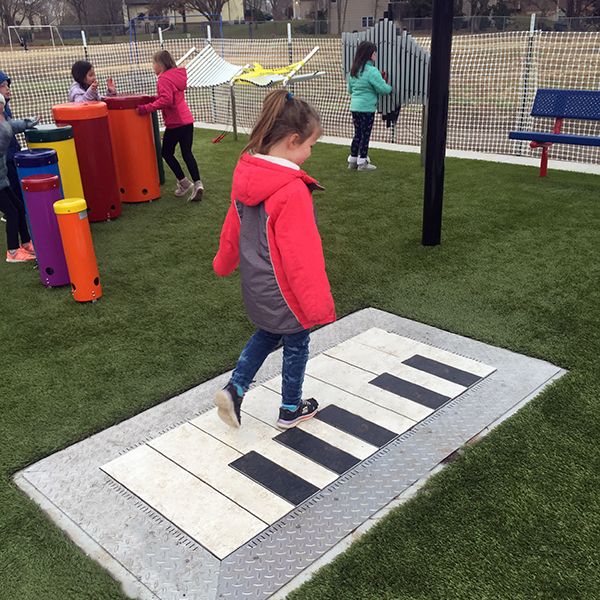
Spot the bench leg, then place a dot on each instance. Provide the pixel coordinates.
(544, 164)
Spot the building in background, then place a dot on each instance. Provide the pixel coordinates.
(232, 12)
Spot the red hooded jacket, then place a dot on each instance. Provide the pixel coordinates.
(171, 86)
(270, 231)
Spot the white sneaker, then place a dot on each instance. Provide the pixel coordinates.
(197, 191)
(352, 163)
(366, 166)
(183, 187)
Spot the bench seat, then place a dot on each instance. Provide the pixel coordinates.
(555, 138)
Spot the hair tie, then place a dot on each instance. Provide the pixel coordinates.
(289, 96)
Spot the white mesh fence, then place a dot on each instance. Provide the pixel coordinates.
(494, 78)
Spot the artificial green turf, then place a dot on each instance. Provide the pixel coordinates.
(517, 517)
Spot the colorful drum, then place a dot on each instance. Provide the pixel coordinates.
(41, 161)
(40, 193)
(61, 140)
(76, 237)
(94, 154)
(133, 149)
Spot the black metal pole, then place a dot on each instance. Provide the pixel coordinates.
(437, 121)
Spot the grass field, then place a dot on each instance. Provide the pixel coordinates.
(517, 517)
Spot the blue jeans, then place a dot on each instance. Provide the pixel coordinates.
(295, 357)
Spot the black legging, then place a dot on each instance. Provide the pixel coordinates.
(184, 136)
(363, 124)
(16, 221)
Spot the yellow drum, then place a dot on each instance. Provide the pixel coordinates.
(60, 138)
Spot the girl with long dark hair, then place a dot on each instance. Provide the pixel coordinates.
(365, 84)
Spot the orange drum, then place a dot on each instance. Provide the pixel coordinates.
(76, 236)
(133, 149)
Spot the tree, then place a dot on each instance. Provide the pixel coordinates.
(342, 7)
(211, 9)
(112, 11)
(81, 10)
(580, 8)
(31, 9)
(10, 10)
(54, 12)
(280, 8)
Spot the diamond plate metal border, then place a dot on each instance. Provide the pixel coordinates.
(155, 560)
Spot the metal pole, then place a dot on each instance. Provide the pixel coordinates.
(233, 111)
(526, 76)
(437, 121)
(160, 37)
(289, 33)
(85, 50)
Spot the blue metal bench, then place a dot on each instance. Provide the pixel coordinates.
(560, 105)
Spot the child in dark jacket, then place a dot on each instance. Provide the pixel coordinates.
(270, 231)
(14, 145)
(179, 123)
(365, 85)
(10, 204)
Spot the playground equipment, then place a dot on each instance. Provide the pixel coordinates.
(40, 161)
(133, 149)
(95, 156)
(22, 39)
(76, 236)
(560, 105)
(401, 57)
(40, 193)
(208, 70)
(61, 140)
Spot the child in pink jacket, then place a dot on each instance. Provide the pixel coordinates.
(271, 234)
(179, 123)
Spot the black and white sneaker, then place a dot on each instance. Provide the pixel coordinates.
(290, 418)
(229, 403)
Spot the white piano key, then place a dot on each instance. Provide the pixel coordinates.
(204, 514)
(259, 404)
(258, 436)
(378, 362)
(209, 459)
(404, 348)
(327, 394)
(356, 381)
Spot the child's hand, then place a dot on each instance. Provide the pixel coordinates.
(141, 110)
(94, 86)
(385, 76)
(110, 86)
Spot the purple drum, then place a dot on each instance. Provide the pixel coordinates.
(41, 192)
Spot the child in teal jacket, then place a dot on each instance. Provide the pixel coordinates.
(365, 85)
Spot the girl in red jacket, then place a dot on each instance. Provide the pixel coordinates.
(270, 231)
(179, 123)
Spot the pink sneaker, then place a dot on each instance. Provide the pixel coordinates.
(28, 247)
(21, 255)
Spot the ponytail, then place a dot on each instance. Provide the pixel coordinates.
(282, 115)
